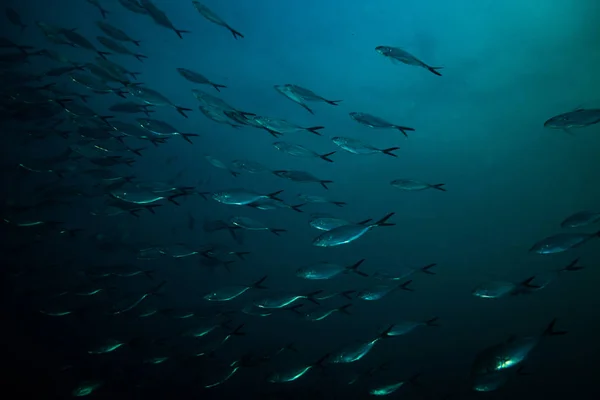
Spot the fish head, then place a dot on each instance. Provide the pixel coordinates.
(383, 50)
(210, 296)
(559, 121)
(220, 196)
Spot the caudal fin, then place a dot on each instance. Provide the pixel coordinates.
(550, 330)
(383, 221)
(324, 184)
(389, 151)
(326, 156)
(354, 268)
(439, 186)
(434, 70)
(235, 33)
(404, 129)
(181, 110)
(217, 86)
(333, 102)
(180, 31)
(315, 130)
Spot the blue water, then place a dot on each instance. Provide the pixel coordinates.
(507, 67)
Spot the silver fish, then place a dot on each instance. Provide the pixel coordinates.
(397, 54)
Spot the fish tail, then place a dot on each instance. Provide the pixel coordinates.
(333, 102)
(297, 207)
(273, 195)
(277, 231)
(311, 296)
(307, 108)
(527, 283)
(181, 110)
(326, 156)
(235, 33)
(404, 129)
(339, 203)
(140, 57)
(324, 184)
(432, 321)
(434, 70)
(103, 54)
(314, 129)
(383, 221)
(354, 268)
(439, 186)
(344, 309)
(180, 31)
(389, 151)
(259, 283)
(136, 42)
(217, 86)
(404, 286)
(426, 269)
(550, 330)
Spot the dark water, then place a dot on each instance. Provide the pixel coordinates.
(507, 67)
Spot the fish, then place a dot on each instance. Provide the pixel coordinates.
(118, 47)
(301, 176)
(348, 233)
(398, 55)
(214, 18)
(280, 126)
(285, 299)
(356, 352)
(152, 97)
(380, 291)
(134, 6)
(325, 270)
(308, 198)
(562, 242)
(578, 118)
(299, 95)
(355, 146)
(581, 219)
(96, 3)
(115, 32)
(163, 130)
(14, 18)
(321, 314)
(232, 292)
(405, 327)
(253, 225)
(297, 150)
(411, 185)
(498, 289)
(242, 197)
(295, 373)
(376, 122)
(197, 77)
(327, 223)
(160, 18)
(510, 353)
(77, 40)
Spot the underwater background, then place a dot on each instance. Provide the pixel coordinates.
(132, 256)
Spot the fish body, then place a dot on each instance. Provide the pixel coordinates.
(398, 55)
(579, 118)
(562, 242)
(375, 122)
(348, 233)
